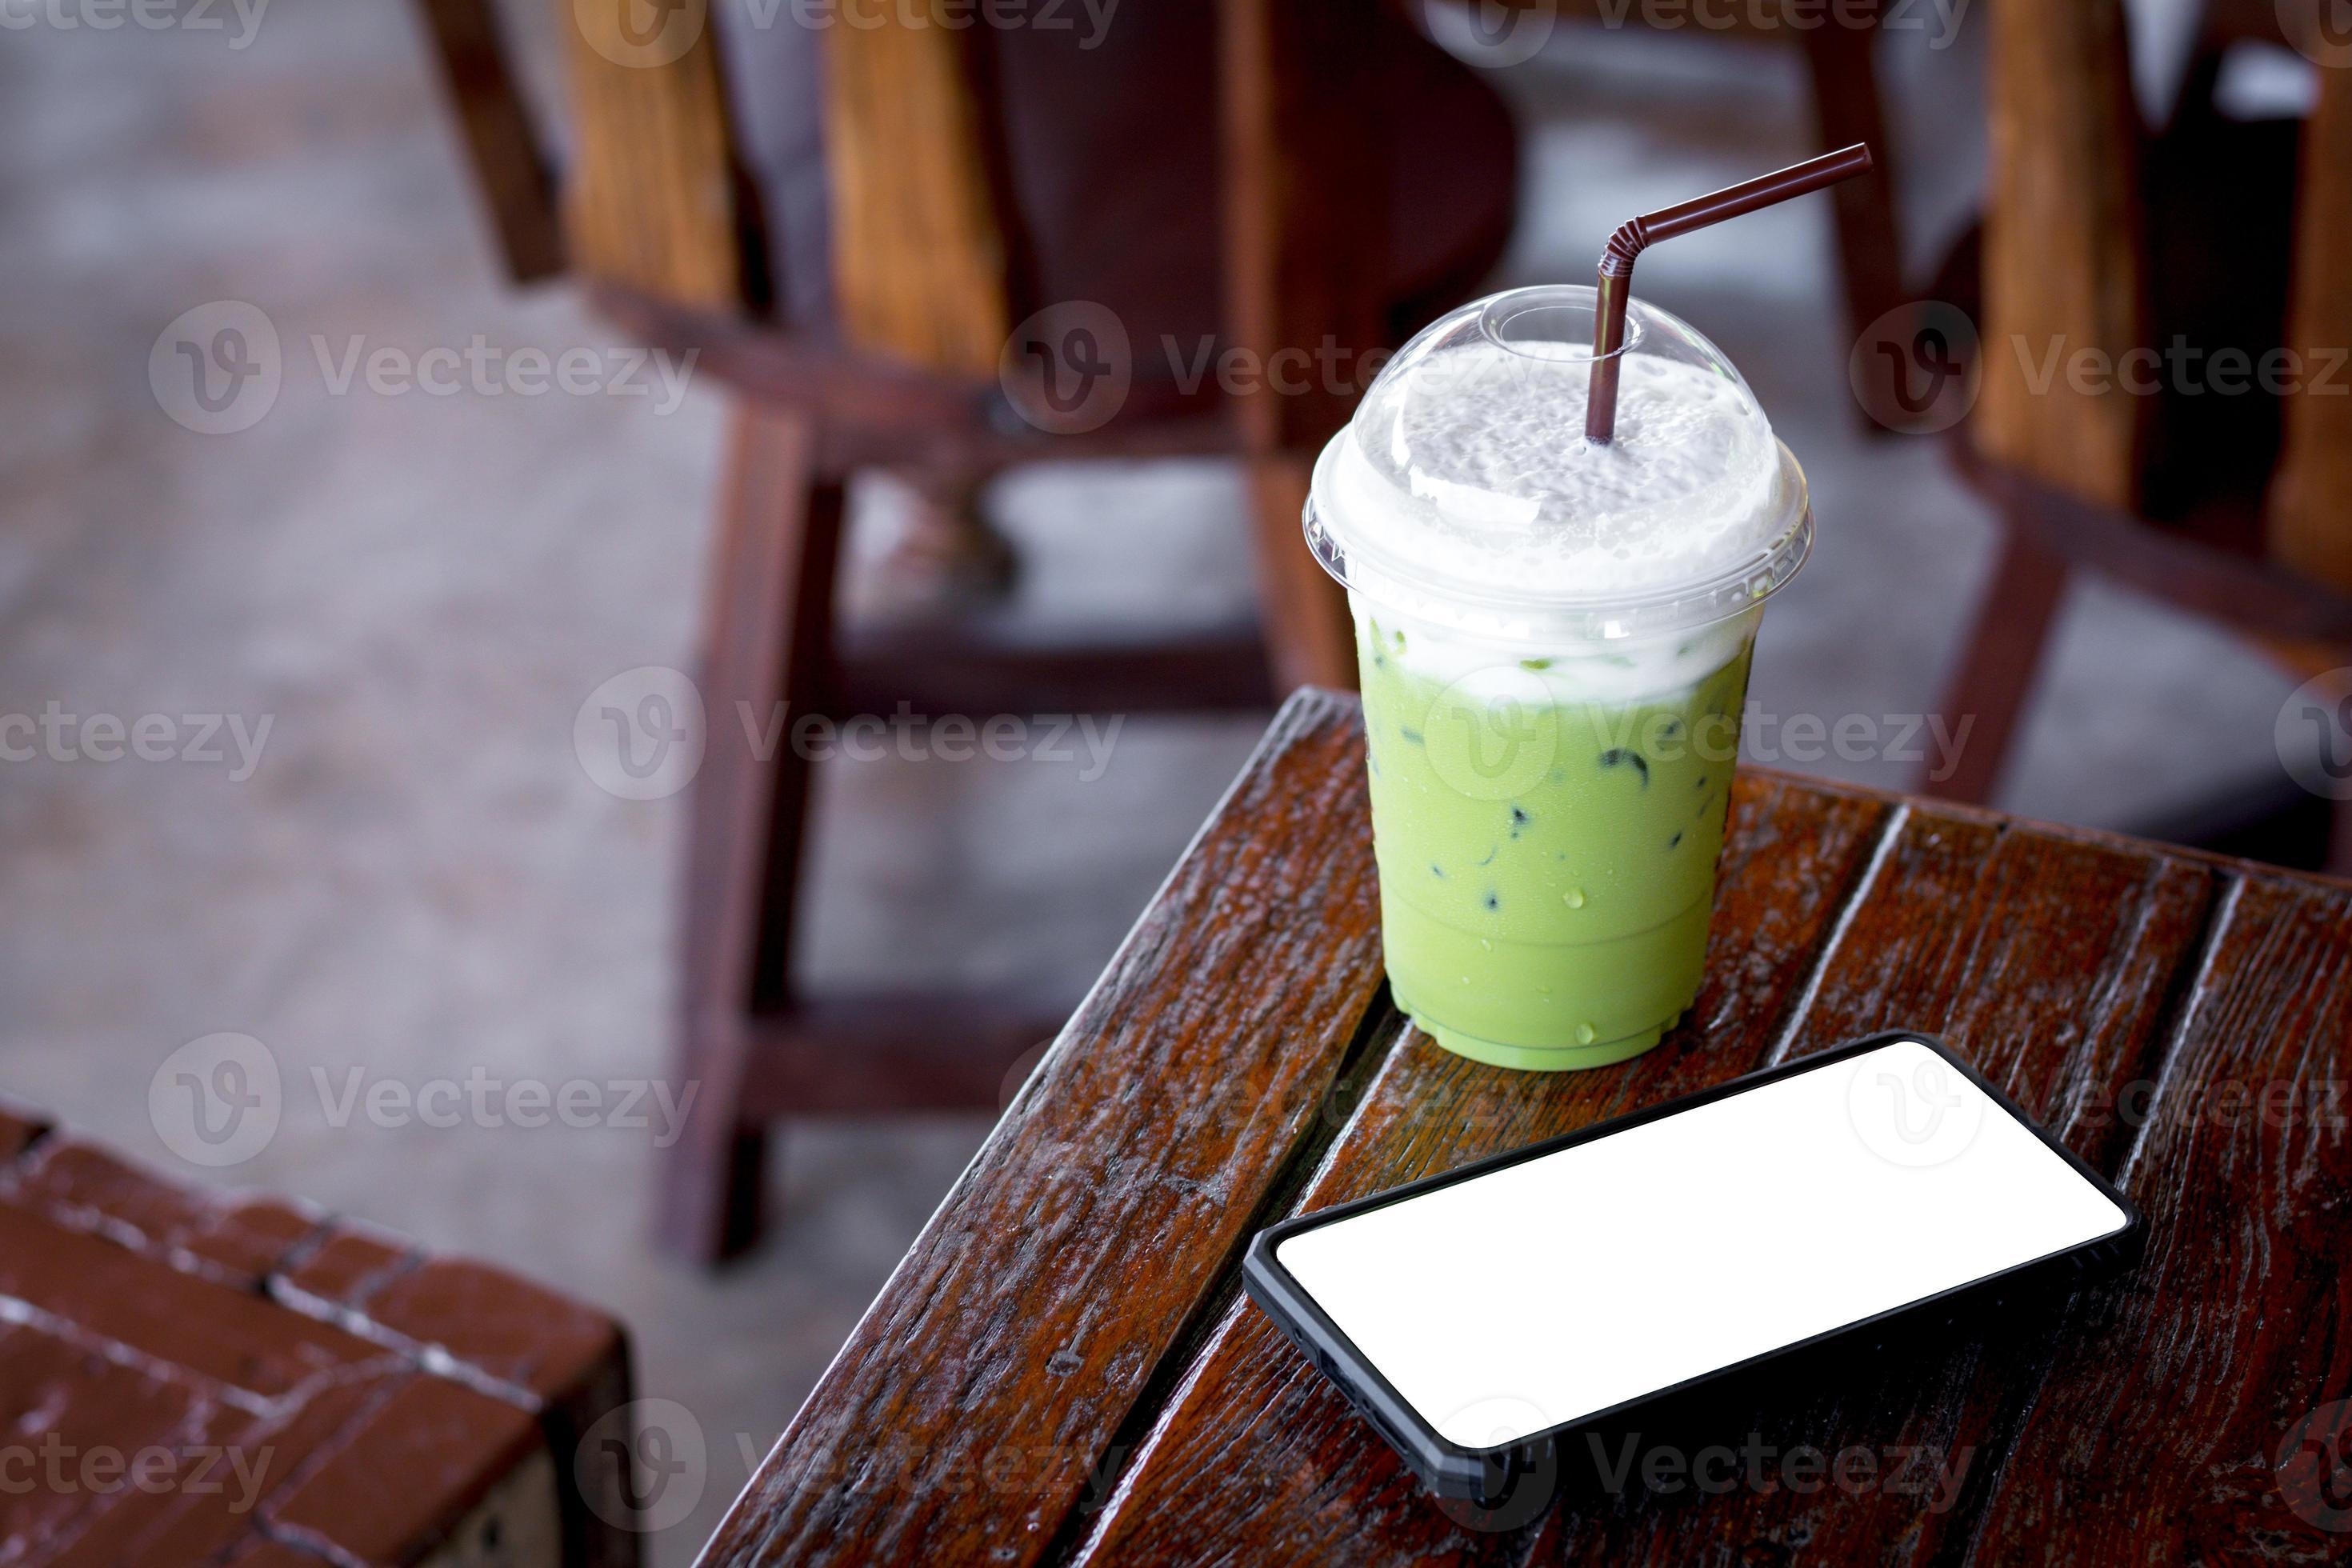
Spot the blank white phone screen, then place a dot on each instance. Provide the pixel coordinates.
(1568, 1284)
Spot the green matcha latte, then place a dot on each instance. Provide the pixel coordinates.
(1554, 639)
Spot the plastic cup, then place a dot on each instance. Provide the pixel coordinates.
(1554, 639)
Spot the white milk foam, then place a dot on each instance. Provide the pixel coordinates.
(1472, 475)
(1496, 670)
(1479, 471)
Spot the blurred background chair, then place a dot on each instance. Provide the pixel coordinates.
(2103, 236)
(1841, 81)
(938, 252)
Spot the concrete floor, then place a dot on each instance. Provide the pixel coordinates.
(419, 881)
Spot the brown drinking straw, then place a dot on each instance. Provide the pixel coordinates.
(1625, 248)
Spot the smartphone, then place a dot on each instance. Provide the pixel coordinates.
(1477, 1317)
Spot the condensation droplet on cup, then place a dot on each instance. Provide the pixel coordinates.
(1586, 1034)
(1574, 897)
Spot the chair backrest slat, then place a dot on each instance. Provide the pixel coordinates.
(919, 242)
(2065, 269)
(2311, 499)
(516, 184)
(1306, 202)
(649, 199)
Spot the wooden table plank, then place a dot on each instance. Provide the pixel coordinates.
(1260, 1458)
(2054, 965)
(1054, 1342)
(1964, 927)
(2191, 1376)
(1000, 1360)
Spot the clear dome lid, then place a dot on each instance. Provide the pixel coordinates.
(1464, 487)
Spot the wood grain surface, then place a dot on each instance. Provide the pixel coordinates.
(2156, 1434)
(976, 1403)
(2063, 266)
(918, 219)
(2311, 500)
(1305, 1476)
(2115, 989)
(650, 200)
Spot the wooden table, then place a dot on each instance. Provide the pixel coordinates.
(1063, 1369)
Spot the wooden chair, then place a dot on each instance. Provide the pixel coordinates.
(1842, 75)
(2068, 258)
(931, 270)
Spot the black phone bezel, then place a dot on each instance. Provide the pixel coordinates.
(1471, 1474)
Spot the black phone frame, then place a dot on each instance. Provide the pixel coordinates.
(1481, 1474)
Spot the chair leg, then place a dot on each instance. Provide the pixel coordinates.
(768, 623)
(946, 555)
(1987, 695)
(1310, 638)
(1847, 108)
